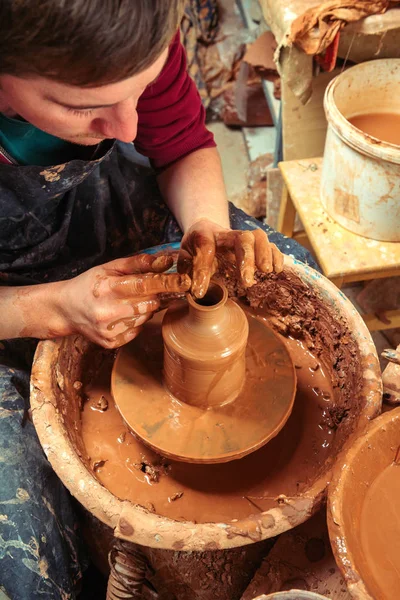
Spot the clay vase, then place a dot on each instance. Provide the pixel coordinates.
(204, 349)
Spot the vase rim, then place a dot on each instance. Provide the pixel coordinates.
(215, 297)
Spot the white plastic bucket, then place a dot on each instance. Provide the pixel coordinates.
(360, 186)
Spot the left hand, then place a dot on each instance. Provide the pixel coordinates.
(251, 249)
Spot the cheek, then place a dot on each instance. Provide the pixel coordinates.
(46, 117)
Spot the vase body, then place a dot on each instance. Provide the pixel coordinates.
(204, 349)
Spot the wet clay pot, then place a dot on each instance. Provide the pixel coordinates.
(362, 468)
(298, 302)
(204, 349)
(292, 595)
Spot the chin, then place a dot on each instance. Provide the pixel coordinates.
(86, 141)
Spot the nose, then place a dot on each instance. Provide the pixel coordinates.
(119, 121)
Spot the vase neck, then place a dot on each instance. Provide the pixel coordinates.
(208, 309)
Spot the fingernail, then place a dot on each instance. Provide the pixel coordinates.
(248, 277)
(200, 285)
(266, 266)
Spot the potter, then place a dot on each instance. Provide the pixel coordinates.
(89, 78)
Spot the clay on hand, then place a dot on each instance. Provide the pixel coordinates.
(251, 250)
(109, 304)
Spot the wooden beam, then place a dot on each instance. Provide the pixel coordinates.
(287, 214)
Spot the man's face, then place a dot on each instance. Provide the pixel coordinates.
(79, 115)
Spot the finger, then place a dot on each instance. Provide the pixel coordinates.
(225, 240)
(123, 338)
(185, 262)
(142, 263)
(203, 260)
(263, 251)
(244, 248)
(142, 305)
(278, 259)
(123, 324)
(150, 284)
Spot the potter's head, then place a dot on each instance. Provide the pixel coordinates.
(76, 68)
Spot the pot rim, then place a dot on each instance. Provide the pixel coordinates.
(343, 554)
(352, 136)
(134, 523)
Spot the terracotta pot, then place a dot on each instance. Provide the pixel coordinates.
(357, 468)
(56, 406)
(292, 595)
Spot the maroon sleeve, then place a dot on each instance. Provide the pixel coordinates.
(171, 117)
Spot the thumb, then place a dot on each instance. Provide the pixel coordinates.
(150, 284)
(141, 263)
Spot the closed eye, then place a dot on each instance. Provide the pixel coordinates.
(80, 113)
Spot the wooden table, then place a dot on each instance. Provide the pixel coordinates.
(344, 257)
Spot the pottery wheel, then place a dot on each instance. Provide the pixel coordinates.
(191, 434)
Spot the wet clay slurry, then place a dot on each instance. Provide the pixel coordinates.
(380, 533)
(193, 433)
(383, 126)
(222, 492)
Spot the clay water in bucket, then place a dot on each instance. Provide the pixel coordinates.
(364, 511)
(360, 186)
(223, 389)
(188, 520)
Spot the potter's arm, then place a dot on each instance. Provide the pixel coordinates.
(107, 304)
(197, 177)
(194, 190)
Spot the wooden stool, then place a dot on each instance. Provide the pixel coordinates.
(344, 257)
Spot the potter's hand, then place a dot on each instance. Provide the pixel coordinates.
(199, 254)
(110, 303)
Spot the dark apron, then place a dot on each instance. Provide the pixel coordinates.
(56, 222)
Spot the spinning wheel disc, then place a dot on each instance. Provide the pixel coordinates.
(191, 434)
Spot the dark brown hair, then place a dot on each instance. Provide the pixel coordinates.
(84, 42)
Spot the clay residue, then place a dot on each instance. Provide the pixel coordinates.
(52, 174)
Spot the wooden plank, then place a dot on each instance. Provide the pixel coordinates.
(287, 214)
(304, 126)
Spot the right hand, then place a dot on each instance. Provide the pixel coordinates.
(109, 304)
